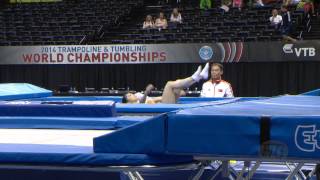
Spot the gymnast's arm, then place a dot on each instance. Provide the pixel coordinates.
(146, 93)
(154, 100)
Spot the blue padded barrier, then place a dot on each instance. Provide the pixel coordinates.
(65, 109)
(241, 129)
(13, 91)
(219, 135)
(147, 137)
(297, 137)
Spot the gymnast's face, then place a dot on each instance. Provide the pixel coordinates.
(216, 72)
(131, 98)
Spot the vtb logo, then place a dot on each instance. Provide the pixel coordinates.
(305, 52)
(307, 138)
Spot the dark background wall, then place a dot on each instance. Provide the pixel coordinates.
(247, 79)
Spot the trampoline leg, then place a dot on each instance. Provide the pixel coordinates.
(134, 175)
(295, 171)
(253, 170)
(201, 171)
(244, 168)
(300, 174)
(225, 168)
(312, 173)
(216, 174)
(138, 175)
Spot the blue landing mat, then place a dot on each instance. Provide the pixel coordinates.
(62, 109)
(13, 91)
(63, 155)
(16, 122)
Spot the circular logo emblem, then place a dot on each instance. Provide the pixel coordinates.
(206, 53)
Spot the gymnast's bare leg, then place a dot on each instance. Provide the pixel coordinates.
(172, 89)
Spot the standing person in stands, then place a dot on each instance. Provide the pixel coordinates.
(258, 3)
(307, 6)
(175, 16)
(275, 19)
(171, 92)
(286, 24)
(161, 22)
(205, 4)
(237, 4)
(216, 87)
(148, 23)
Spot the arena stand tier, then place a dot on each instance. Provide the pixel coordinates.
(212, 25)
(109, 22)
(56, 23)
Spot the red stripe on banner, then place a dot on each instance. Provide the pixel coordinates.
(239, 51)
(227, 52)
(233, 51)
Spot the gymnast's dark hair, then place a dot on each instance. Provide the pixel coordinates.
(124, 98)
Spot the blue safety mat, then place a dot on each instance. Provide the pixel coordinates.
(241, 125)
(147, 137)
(62, 109)
(79, 155)
(162, 108)
(282, 105)
(315, 92)
(185, 102)
(291, 124)
(182, 100)
(80, 98)
(13, 91)
(30, 122)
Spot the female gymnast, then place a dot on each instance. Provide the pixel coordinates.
(172, 90)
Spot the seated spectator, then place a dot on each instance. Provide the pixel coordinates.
(258, 3)
(225, 5)
(275, 19)
(175, 16)
(286, 24)
(148, 23)
(161, 22)
(205, 4)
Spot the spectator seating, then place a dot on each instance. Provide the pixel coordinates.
(56, 23)
(208, 26)
(120, 22)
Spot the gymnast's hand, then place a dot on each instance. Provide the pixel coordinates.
(149, 88)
